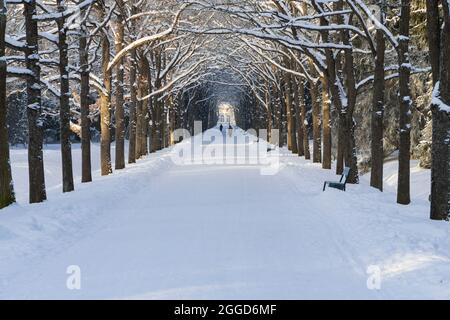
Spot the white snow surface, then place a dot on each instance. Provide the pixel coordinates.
(157, 230)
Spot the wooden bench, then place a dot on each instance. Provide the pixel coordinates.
(338, 185)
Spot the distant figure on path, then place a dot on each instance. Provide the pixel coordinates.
(230, 130)
(221, 127)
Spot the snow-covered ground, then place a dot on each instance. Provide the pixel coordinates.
(166, 231)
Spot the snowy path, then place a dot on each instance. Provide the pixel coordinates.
(158, 230)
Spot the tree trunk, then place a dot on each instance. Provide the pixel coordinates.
(139, 110)
(304, 120)
(157, 108)
(350, 157)
(86, 175)
(132, 111)
(298, 120)
(336, 94)
(146, 86)
(119, 109)
(149, 110)
(268, 113)
(6, 184)
(34, 109)
(440, 167)
(105, 115)
(377, 151)
(434, 37)
(326, 130)
(403, 189)
(341, 143)
(317, 143)
(64, 107)
(291, 140)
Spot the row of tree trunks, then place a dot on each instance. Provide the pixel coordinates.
(6, 183)
(440, 168)
(34, 112)
(334, 90)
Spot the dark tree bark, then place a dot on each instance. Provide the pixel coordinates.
(64, 107)
(157, 108)
(6, 183)
(377, 151)
(268, 101)
(133, 94)
(316, 118)
(403, 189)
(291, 140)
(298, 120)
(279, 116)
(132, 111)
(141, 110)
(86, 171)
(336, 96)
(105, 111)
(119, 108)
(34, 107)
(304, 120)
(146, 88)
(440, 167)
(434, 37)
(326, 130)
(149, 119)
(349, 123)
(139, 114)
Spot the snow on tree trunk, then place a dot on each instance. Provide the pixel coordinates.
(86, 171)
(405, 102)
(304, 120)
(64, 107)
(34, 107)
(440, 168)
(132, 109)
(377, 150)
(316, 118)
(119, 92)
(326, 111)
(298, 120)
(292, 145)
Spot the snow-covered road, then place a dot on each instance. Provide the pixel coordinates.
(166, 231)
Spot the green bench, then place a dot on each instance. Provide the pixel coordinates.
(338, 185)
